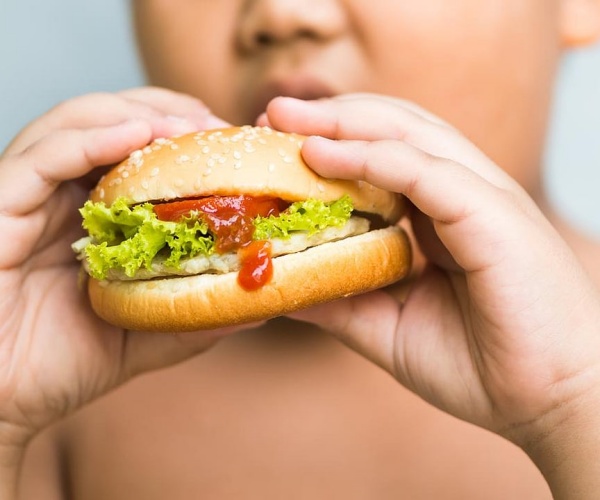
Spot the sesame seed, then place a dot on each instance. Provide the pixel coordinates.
(154, 172)
(101, 193)
(288, 159)
(125, 174)
(205, 150)
(237, 155)
(237, 165)
(174, 146)
(207, 172)
(211, 163)
(271, 167)
(145, 184)
(320, 187)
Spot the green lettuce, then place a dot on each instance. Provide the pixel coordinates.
(129, 238)
(310, 216)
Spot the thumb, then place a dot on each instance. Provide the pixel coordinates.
(146, 351)
(365, 323)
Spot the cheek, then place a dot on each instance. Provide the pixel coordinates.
(492, 80)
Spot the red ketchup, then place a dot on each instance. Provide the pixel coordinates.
(257, 266)
(230, 220)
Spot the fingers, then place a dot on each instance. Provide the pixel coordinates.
(401, 148)
(433, 184)
(176, 104)
(170, 113)
(27, 180)
(146, 351)
(78, 135)
(366, 323)
(463, 205)
(372, 118)
(392, 335)
(381, 117)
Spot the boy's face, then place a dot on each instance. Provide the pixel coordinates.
(484, 65)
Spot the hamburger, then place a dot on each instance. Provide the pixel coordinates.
(229, 226)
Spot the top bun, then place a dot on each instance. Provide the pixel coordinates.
(255, 161)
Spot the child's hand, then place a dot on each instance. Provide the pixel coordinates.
(55, 354)
(502, 328)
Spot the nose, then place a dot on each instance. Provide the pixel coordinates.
(269, 23)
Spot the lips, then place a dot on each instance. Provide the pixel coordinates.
(300, 87)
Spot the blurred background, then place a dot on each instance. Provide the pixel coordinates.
(50, 51)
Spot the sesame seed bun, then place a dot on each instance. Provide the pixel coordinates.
(256, 162)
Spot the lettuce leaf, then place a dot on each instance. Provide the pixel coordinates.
(311, 216)
(129, 238)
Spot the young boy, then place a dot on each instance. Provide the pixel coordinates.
(285, 410)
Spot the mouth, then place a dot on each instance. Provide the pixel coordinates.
(300, 87)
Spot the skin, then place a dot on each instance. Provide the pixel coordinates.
(347, 48)
(525, 365)
(511, 389)
(497, 92)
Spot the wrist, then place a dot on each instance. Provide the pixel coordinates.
(565, 446)
(10, 467)
(13, 443)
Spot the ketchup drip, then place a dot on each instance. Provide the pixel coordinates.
(230, 218)
(257, 265)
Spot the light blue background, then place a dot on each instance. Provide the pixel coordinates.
(53, 50)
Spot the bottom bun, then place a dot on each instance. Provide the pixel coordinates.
(319, 274)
